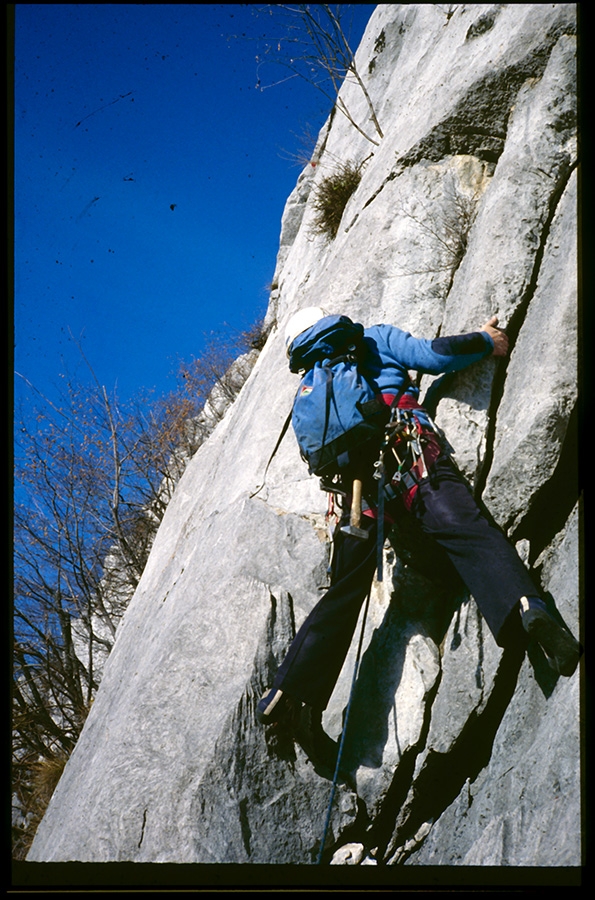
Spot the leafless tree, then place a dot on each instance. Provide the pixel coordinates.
(313, 45)
(92, 479)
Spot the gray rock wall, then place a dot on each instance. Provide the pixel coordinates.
(458, 753)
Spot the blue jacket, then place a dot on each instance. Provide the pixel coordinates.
(392, 352)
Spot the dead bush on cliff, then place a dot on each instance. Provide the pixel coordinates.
(331, 196)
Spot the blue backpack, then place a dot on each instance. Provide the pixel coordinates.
(336, 413)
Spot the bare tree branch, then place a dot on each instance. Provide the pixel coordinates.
(314, 47)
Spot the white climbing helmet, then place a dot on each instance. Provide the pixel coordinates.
(300, 321)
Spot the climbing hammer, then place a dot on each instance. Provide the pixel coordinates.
(354, 528)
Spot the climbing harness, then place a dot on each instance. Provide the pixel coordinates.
(404, 438)
(404, 443)
(344, 732)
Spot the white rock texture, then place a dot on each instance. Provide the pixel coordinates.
(459, 754)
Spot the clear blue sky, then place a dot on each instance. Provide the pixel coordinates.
(149, 181)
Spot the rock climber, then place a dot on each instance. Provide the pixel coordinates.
(439, 499)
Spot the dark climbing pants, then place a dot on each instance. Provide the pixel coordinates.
(312, 665)
(446, 510)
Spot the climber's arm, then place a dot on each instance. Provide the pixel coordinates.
(437, 356)
(470, 344)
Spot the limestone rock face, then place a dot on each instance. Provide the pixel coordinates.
(456, 752)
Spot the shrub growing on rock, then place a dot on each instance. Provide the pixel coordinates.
(331, 196)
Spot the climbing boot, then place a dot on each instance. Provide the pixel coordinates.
(561, 649)
(275, 707)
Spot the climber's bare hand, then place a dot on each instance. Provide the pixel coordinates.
(499, 337)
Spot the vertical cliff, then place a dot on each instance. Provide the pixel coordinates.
(458, 753)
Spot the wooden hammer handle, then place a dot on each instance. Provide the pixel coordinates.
(356, 503)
